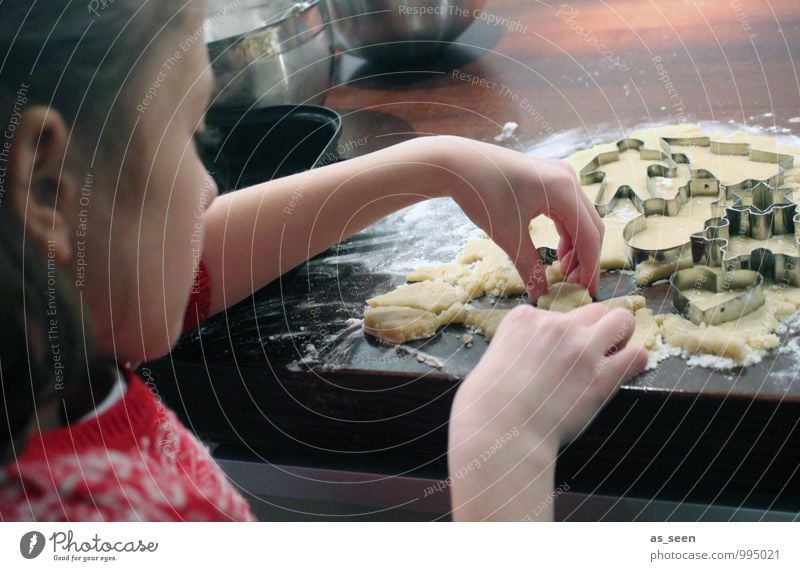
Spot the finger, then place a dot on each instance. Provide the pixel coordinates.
(511, 324)
(589, 314)
(585, 237)
(598, 222)
(531, 270)
(567, 263)
(574, 276)
(613, 331)
(564, 239)
(565, 247)
(590, 275)
(627, 362)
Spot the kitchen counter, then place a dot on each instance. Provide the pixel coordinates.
(287, 377)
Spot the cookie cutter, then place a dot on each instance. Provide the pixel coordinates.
(757, 206)
(710, 246)
(750, 299)
(593, 173)
(760, 210)
(783, 161)
(669, 207)
(699, 185)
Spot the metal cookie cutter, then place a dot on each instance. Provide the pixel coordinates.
(757, 206)
(607, 198)
(783, 161)
(669, 207)
(751, 298)
(760, 210)
(710, 247)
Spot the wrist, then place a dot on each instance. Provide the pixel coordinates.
(495, 408)
(501, 475)
(477, 422)
(434, 154)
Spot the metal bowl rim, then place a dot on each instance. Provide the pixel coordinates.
(287, 15)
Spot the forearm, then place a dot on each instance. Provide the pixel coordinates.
(501, 475)
(256, 234)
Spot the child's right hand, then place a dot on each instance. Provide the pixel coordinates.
(544, 377)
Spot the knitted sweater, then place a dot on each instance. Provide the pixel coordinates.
(134, 461)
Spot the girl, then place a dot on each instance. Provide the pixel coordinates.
(104, 206)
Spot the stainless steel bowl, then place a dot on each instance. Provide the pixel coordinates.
(398, 30)
(268, 53)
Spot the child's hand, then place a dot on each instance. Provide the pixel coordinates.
(553, 370)
(502, 190)
(542, 380)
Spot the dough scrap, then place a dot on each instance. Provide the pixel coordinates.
(553, 273)
(734, 339)
(398, 324)
(430, 296)
(482, 268)
(646, 328)
(486, 321)
(563, 296)
(632, 303)
(647, 273)
(455, 274)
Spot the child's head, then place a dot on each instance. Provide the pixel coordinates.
(101, 187)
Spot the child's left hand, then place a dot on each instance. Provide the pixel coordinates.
(500, 190)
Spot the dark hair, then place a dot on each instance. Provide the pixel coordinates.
(78, 58)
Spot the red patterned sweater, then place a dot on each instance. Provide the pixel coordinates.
(133, 462)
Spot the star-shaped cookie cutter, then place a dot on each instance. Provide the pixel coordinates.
(758, 209)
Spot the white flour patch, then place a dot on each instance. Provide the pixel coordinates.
(660, 352)
(564, 143)
(421, 356)
(791, 325)
(790, 375)
(507, 131)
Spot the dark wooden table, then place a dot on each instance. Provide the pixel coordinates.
(286, 377)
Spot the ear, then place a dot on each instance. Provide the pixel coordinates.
(42, 192)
